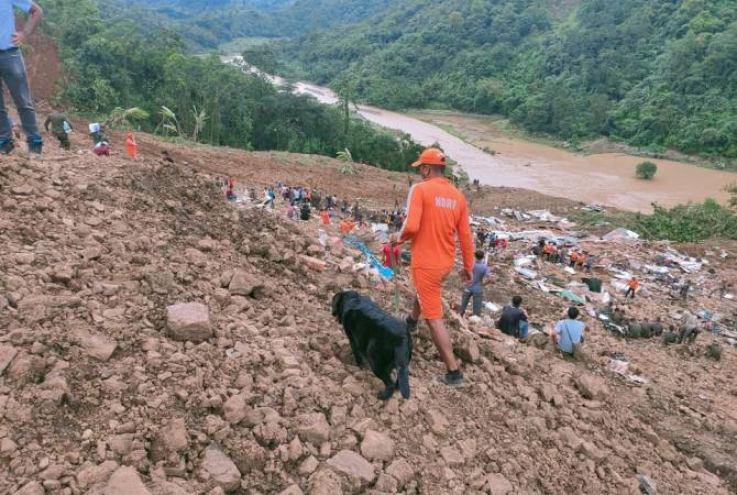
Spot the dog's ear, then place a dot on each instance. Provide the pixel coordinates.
(401, 361)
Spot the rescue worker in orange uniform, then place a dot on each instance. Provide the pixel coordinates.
(436, 213)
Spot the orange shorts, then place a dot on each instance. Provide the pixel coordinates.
(428, 282)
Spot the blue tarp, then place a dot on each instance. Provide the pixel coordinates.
(371, 259)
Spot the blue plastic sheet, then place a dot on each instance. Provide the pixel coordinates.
(371, 259)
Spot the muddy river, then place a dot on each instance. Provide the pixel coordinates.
(607, 178)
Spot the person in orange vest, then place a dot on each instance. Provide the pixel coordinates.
(632, 287)
(436, 213)
(548, 251)
(130, 146)
(574, 258)
(325, 217)
(346, 225)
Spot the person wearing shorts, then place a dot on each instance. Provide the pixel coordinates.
(436, 213)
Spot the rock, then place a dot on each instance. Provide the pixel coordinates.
(221, 469)
(92, 475)
(469, 350)
(7, 447)
(377, 446)
(313, 263)
(591, 387)
(313, 428)
(666, 451)
(167, 488)
(352, 464)
(308, 466)
(31, 488)
(249, 457)
(386, 484)
(401, 471)
(124, 481)
(235, 409)
(695, 463)
(292, 490)
(97, 347)
(244, 284)
(188, 321)
(570, 438)
(498, 485)
(452, 456)
(121, 444)
(593, 452)
(171, 438)
(438, 422)
(325, 482)
(7, 353)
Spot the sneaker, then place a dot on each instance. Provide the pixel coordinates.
(35, 146)
(452, 378)
(7, 147)
(411, 324)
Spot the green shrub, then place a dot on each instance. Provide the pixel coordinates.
(688, 223)
(714, 351)
(646, 170)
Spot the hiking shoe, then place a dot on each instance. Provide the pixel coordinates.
(7, 147)
(452, 378)
(411, 324)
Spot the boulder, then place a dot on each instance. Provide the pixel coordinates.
(124, 481)
(7, 353)
(244, 284)
(171, 438)
(292, 490)
(352, 464)
(188, 321)
(31, 488)
(221, 469)
(235, 409)
(377, 446)
(591, 387)
(313, 428)
(498, 485)
(402, 471)
(325, 482)
(452, 456)
(95, 474)
(98, 346)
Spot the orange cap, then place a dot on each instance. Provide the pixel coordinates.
(431, 156)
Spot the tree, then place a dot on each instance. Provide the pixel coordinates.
(646, 170)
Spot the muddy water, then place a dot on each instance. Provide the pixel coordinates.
(607, 179)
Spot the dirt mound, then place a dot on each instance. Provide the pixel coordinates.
(156, 338)
(43, 66)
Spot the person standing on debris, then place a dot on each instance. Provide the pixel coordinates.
(436, 213)
(574, 258)
(475, 289)
(325, 217)
(513, 320)
(304, 212)
(131, 147)
(13, 74)
(690, 329)
(685, 288)
(57, 123)
(632, 287)
(569, 333)
(392, 253)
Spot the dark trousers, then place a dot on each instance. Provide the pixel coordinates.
(13, 75)
(478, 301)
(630, 293)
(63, 138)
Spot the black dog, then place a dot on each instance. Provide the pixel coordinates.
(376, 337)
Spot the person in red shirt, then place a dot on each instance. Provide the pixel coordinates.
(392, 252)
(436, 213)
(325, 217)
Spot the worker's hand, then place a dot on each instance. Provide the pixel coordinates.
(465, 276)
(19, 37)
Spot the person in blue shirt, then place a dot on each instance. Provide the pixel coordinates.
(13, 73)
(475, 288)
(569, 333)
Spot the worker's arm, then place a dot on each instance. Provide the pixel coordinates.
(414, 214)
(36, 14)
(465, 236)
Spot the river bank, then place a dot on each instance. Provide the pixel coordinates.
(603, 178)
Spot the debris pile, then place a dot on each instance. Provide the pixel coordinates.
(156, 339)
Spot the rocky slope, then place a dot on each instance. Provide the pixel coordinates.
(155, 339)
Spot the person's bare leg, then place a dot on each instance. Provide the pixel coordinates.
(441, 339)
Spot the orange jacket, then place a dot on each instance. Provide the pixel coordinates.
(633, 284)
(574, 256)
(436, 212)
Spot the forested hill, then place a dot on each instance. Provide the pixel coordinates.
(651, 72)
(206, 24)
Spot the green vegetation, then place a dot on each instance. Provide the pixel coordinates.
(646, 170)
(111, 65)
(652, 73)
(688, 223)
